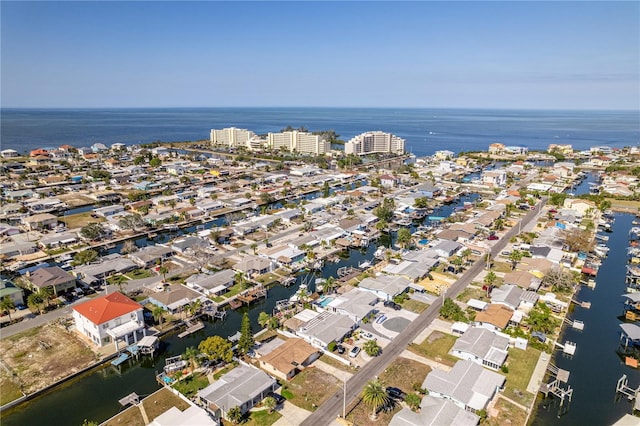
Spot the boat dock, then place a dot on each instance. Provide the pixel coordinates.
(191, 328)
(623, 388)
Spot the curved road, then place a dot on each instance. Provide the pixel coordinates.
(333, 407)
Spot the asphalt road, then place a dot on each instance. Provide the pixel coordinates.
(333, 407)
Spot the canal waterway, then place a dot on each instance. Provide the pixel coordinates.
(95, 395)
(596, 367)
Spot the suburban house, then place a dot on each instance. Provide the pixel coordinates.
(523, 279)
(580, 206)
(111, 264)
(325, 328)
(40, 221)
(494, 318)
(242, 387)
(253, 265)
(435, 412)
(212, 284)
(10, 290)
(467, 384)
(52, 276)
(288, 359)
(192, 416)
(188, 243)
(446, 248)
(174, 298)
(151, 255)
(355, 304)
(108, 318)
(385, 287)
(483, 347)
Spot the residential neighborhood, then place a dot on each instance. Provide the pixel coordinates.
(425, 281)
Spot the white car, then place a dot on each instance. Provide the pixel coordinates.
(366, 335)
(354, 352)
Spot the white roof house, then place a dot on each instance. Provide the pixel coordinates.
(325, 328)
(356, 304)
(467, 384)
(435, 412)
(483, 347)
(385, 287)
(242, 387)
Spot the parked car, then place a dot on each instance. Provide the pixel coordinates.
(354, 352)
(279, 398)
(395, 393)
(20, 307)
(392, 304)
(366, 335)
(340, 349)
(493, 237)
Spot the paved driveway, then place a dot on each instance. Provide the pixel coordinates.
(291, 415)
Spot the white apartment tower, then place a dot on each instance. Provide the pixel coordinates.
(231, 137)
(301, 142)
(374, 142)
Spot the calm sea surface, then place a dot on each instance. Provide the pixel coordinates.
(425, 130)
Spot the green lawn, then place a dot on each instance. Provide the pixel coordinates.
(10, 390)
(139, 273)
(521, 365)
(233, 290)
(436, 347)
(262, 418)
(116, 279)
(414, 306)
(501, 267)
(471, 293)
(192, 384)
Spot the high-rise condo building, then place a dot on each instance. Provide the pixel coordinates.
(231, 137)
(374, 142)
(301, 142)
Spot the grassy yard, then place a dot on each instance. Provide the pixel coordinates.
(81, 219)
(268, 279)
(504, 267)
(337, 364)
(139, 273)
(117, 279)
(9, 389)
(262, 418)
(404, 373)
(130, 417)
(233, 290)
(192, 384)
(358, 414)
(414, 306)
(436, 347)
(521, 365)
(507, 414)
(40, 356)
(310, 388)
(471, 293)
(161, 401)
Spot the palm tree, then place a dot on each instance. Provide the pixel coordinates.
(6, 305)
(270, 402)
(194, 307)
(191, 354)
(375, 396)
(465, 254)
(46, 293)
(330, 284)
(158, 313)
(163, 270)
(254, 247)
(35, 300)
(371, 348)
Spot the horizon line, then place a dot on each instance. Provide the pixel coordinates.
(323, 107)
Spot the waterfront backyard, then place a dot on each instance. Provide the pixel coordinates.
(36, 358)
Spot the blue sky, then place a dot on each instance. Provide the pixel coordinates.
(554, 55)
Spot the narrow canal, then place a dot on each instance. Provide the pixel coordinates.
(596, 367)
(94, 396)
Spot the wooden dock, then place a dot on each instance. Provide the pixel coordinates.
(191, 328)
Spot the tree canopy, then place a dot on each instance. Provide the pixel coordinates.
(216, 348)
(246, 341)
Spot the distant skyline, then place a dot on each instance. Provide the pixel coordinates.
(504, 55)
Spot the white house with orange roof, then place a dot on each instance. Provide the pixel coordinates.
(110, 318)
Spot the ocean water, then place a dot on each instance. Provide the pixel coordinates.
(425, 130)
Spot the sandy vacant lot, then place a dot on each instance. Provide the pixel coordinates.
(38, 357)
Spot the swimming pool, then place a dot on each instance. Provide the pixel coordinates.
(324, 301)
(424, 242)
